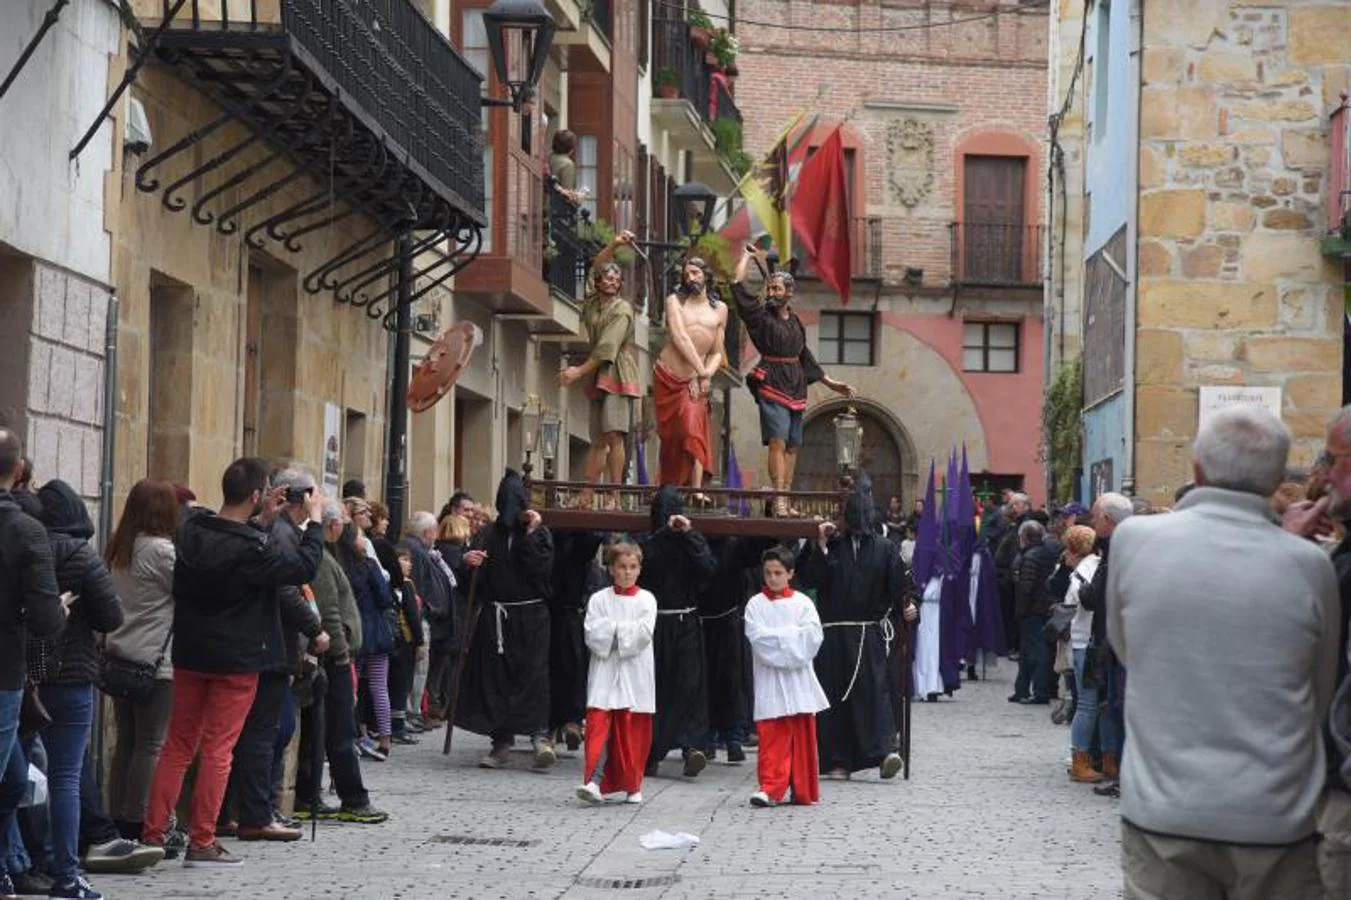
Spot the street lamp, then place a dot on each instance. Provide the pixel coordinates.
(549, 428)
(848, 441)
(694, 200)
(503, 21)
(530, 416)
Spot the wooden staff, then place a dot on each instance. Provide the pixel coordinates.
(905, 696)
(466, 640)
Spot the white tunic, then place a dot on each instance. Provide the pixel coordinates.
(784, 635)
(926, 677)
(619, 635)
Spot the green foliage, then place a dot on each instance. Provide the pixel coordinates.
(666, 76)
(714, 249)
(740, 162)
(599, 234)
(697, 18)
(727, 135)
(1061, 428)
(724, 47)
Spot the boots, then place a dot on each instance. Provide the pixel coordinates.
(1081, 768)
(1110, 767)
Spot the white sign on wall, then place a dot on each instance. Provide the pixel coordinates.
(332, 455)
(1217, 397)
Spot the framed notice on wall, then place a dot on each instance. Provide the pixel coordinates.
(332, 455)
(1218, 397)
(1100, 479)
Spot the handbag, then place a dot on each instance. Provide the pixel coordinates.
(1058, 623)
(123, 679)
(33, 716)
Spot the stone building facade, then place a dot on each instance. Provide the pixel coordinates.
(944, 124)
(1225, 199)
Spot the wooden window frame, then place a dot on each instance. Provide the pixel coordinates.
(984, 347)
(841, 316)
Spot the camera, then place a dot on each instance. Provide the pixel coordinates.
(298, 494)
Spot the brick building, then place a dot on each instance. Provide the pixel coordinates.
(944, 111)
(1202, 207)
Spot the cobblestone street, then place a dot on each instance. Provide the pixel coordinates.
(988, 812)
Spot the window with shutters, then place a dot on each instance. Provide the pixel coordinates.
(990, 347)
(993, 217)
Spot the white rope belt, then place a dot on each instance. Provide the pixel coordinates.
(722, 615)
(500, 613)
(888, 635)
(677, 612)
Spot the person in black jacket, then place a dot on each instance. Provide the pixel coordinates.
(257, 761)
(677, 565)
(436, 578)
(30, 605)
(1006, 550)
(576, 576)
(65, 670)
(1032, 602)
(226, 578)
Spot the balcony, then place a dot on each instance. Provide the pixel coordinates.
(689, 97)
(360, 107)
(996, 254)
(1338, 241)
(865, 251)
(508, 277)
(569, 256)
(589, 43)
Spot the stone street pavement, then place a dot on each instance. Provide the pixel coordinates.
(988, 812)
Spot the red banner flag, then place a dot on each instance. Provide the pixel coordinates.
(820, 214)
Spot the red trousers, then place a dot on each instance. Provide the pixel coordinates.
(209, 712)
(787, 756)
(626, 738)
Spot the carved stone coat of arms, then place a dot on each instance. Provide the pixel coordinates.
(910, 154)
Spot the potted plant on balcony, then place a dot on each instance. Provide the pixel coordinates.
(701, 28)
(715, 250)
(723, 49)
(599, 234)
(667, 83)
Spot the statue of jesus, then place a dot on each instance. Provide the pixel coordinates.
(682, 378)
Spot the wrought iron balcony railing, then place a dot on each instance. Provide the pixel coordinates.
(996, 254)
(361, 106)
(569, 256)
(865, 250)
(674, 54)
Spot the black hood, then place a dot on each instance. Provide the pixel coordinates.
(63, 512)
(666, 502)
(859, 513)
(511, 500)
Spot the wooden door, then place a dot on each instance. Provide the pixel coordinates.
(992, 229)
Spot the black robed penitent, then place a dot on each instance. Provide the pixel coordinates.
(859, 581)
(505, 689)
(676, 569)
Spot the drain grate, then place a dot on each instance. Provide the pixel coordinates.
(629, 883)
(472, 841)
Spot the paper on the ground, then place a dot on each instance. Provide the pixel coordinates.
(661, 840)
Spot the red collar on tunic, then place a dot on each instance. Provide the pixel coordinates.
(627, 592)
(778, 595)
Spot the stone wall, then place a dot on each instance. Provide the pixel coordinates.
(1233, 170)
(52, 340)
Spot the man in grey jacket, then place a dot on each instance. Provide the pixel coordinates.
(1229, 628)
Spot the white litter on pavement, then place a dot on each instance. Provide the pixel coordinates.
(661, 840)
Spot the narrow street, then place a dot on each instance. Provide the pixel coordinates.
(988, 812)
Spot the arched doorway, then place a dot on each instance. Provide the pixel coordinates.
(888, 456)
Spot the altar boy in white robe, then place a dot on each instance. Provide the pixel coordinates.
(621, 687)
(784, 632)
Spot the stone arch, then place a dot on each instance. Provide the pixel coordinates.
(889, 454)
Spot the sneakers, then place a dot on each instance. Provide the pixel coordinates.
(635, 797)
(75, 889)
(322, 811)
(589, 793)
(7, 891)
(735, 754)
(285, 821)
(175, 843)
(695, 761)
(405, 739)
(362, 815)
(368, 748)
(495, 758)
(1017, 698)
(838, 775)
(890, 766)
(121, 855)
(30, 884)
(761, 800)
(545, 756)
(209, 857)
